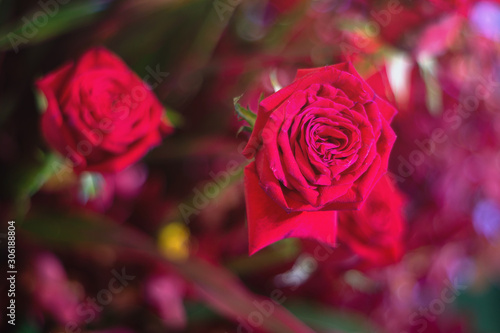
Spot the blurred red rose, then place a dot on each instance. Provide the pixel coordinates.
(375, 231)
(100, 115)
(320, 145)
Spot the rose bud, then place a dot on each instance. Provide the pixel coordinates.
(100, 115)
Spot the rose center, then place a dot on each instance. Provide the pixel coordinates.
(333, 141)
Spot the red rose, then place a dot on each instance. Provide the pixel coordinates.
(320, 145)
(375, 231)
(100, 115)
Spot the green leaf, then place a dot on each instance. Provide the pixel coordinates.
(220, 289)
(27, 326)
(262, 96)
(481, 306)
(245, 114)
(174, 117)
(281, 252)
(197, 312)
(325, 319)
(63, 19)
(28, 179)
(244, 129)
(41, 100)
(83, 230)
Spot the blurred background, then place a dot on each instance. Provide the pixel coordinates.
(148, 249)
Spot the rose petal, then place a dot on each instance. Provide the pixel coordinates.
(269, 223)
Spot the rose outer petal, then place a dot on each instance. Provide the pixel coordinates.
(269, 223)
(100, 57)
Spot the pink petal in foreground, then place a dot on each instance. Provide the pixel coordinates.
(269, 223)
